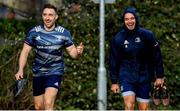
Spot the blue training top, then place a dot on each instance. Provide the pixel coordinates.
(49, 49)
(135, 55)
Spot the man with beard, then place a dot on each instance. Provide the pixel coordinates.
(48, 40)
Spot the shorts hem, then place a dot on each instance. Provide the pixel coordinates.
(127, 93)
(142, 100)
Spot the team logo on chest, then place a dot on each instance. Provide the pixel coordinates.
(38, 38)
(137, 39)
(126, 43)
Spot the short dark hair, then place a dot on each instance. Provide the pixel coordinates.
(50, 6)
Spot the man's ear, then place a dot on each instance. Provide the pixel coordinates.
(57, 16)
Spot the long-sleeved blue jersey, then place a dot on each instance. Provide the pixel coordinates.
(135, 56)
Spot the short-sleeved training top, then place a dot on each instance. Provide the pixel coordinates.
(48, 49)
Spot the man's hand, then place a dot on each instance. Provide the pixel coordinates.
(159, 82)
(80, 48)
(19, 75)
(115, 88)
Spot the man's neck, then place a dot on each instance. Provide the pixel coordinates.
(49, 29)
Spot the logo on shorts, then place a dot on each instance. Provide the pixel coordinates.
(122, 88)
(56, 84)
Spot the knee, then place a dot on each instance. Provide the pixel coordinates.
(39, 106)
(48, 104)
(144, 106)
(129, 106)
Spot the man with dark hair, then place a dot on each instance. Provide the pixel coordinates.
(134, 57)
(48, 40)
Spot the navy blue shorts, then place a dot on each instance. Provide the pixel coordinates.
(42, 82)
(141, 91)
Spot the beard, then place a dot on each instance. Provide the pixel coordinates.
(49, 25)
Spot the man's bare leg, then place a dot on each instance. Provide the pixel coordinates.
(49, 97)
(39, 102)
(143, 105)
(129, 102)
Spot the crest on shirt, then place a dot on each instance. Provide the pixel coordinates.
(126, 43)
(56, 84)
(38, 38)
(137, 39)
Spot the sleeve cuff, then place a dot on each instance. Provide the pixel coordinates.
(114, 81)
(160, 76)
